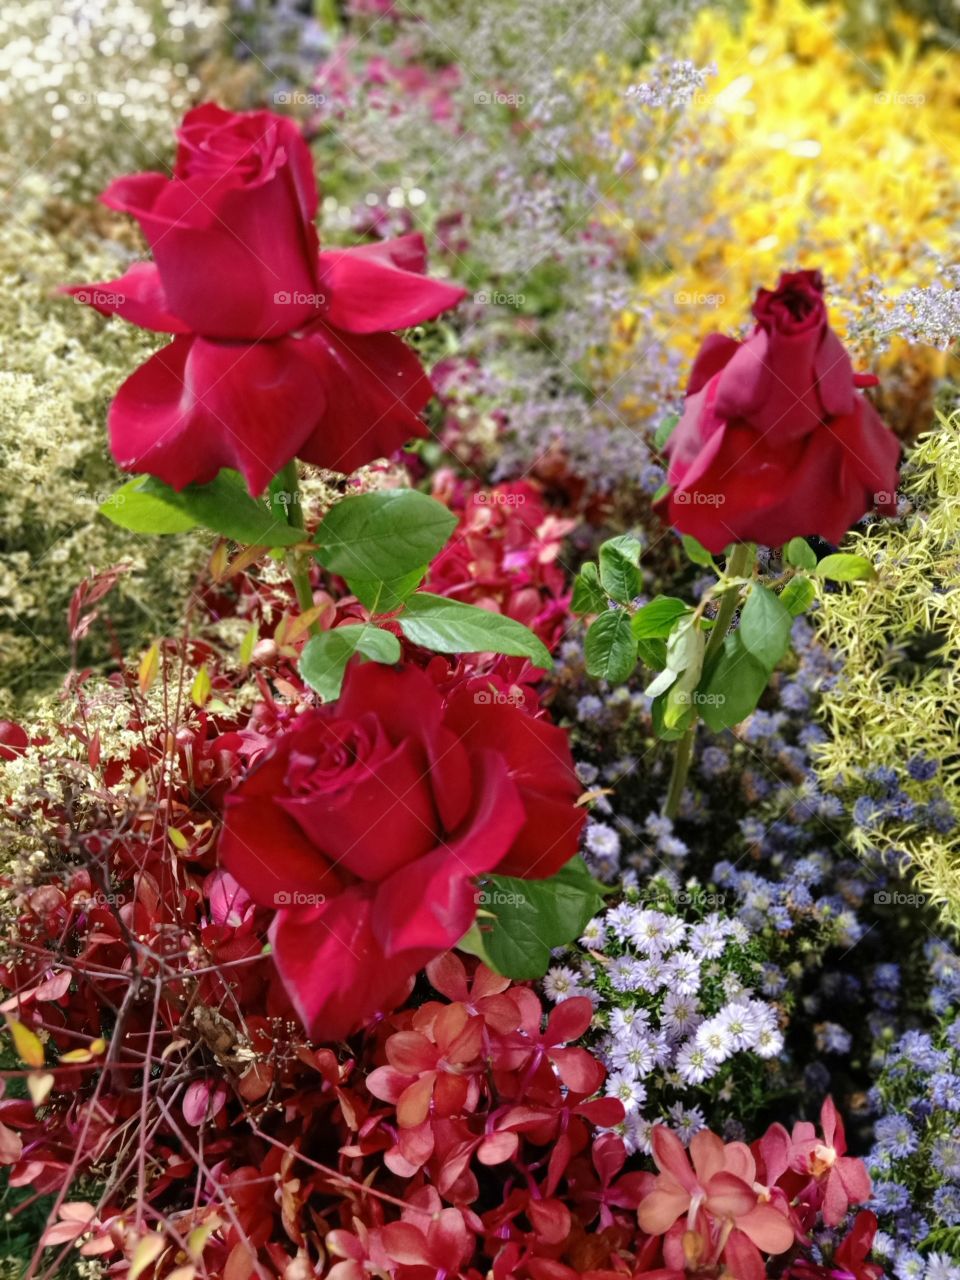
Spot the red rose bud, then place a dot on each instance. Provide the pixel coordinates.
(775, 441)
(365, 825)
(281, 351)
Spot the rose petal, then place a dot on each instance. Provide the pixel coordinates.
(197, 406)
(137, 296)
(370, 293)
(333, 967)
(374, 388)
(432, 902)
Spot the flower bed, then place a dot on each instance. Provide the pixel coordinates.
(480, 796)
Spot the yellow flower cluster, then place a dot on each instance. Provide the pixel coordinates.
(802, 150)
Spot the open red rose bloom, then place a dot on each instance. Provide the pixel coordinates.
(366, 823)
(280, 350)
(775, 440)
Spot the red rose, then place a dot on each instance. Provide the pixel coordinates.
(775, 442)
(281, 351)
(367, 821)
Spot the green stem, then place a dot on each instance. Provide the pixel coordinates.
(298, 566)
(678, 775)
(737, 566)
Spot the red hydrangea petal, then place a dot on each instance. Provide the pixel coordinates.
(568, 1020)
(659, 1210)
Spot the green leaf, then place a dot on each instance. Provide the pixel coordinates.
(472, 944)
(652, 653)
(696, 551)
(610, 651)
(797, 596)
(656, 619)
(131, 508)
(765, 626)
(845, 568)
(325, 656)
(619, 568)
(523, 920)
(225, 506)
(447, 626)
(658, 710)
(384, 597)
(733, 686)
(800, 554)
(662, 492)
(383, 536)
(284, 502)
(666, 430)
(684, 656)
(588, 595)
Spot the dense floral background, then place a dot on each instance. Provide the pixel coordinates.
(435, 965)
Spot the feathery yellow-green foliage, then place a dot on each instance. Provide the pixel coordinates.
(87, 91)
(899, 694)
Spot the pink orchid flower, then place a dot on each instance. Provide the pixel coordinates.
(841, 1180)
(717, 1194)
